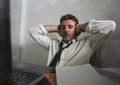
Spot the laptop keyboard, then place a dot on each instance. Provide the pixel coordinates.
(20, 77)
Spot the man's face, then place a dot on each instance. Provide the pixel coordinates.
(67, 30)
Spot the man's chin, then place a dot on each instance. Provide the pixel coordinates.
(67, 40)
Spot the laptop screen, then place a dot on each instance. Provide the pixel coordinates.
(5, 43)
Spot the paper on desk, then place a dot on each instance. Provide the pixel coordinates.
(80, 75)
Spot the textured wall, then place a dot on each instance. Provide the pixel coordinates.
(50, 11)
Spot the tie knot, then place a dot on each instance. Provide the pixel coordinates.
(61, 44)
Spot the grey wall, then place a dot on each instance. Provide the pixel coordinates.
(28, 13)
(15, 11)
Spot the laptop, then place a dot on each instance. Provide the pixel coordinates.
(14, 73)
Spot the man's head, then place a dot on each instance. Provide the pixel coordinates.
(67, 27)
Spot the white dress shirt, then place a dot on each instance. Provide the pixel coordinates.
(81, 50)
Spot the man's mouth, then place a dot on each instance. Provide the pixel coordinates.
(66, 35)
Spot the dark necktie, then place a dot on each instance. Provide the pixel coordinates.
(58, 54)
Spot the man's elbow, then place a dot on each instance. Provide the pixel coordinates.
(31, 32)
(112, 25)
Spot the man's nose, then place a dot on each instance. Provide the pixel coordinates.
(66, 28)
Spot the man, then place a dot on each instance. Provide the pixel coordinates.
(79, 51)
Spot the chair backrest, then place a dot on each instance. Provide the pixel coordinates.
(95, 59)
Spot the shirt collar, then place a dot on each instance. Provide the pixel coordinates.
(73, 40)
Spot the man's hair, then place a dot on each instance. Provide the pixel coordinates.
(69, 16)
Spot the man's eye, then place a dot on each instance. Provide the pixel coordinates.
(70, 26)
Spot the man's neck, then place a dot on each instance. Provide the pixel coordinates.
(68, 41)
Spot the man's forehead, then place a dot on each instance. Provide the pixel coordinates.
(68, 22)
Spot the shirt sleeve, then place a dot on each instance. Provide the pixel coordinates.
(99, 31)
(39, 34)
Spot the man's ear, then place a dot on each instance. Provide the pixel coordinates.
(59, 28)
(77, 30)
